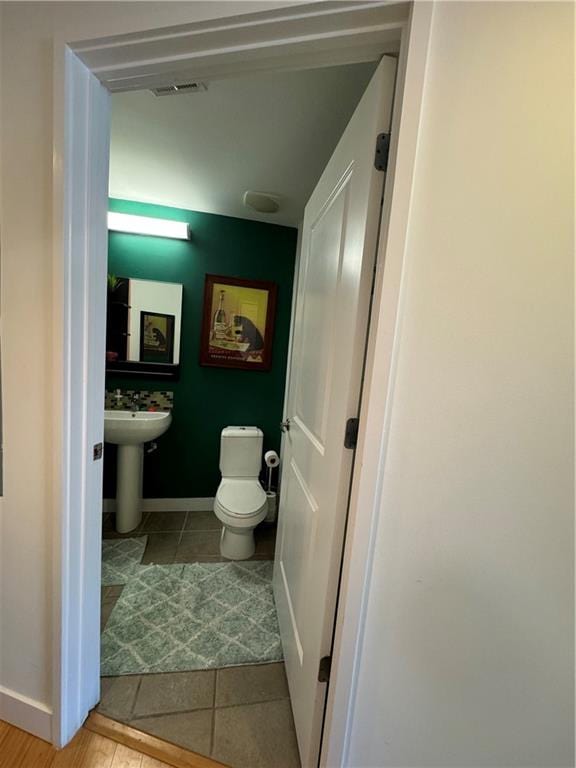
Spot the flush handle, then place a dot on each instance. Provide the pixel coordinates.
(285, 425)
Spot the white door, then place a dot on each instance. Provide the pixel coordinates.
(339, 238)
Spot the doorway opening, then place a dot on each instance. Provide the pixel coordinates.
(218, 336)
(341, 223)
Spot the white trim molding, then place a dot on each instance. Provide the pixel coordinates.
(194, 504)
(29, 715)
(298, 37)
(81, 152)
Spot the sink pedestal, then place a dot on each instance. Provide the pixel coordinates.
(129, 430)
(129, 487)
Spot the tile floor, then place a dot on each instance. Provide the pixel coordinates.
(187, 537)
(240, 716)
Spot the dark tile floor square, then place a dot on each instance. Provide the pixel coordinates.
(202, 521)
(250, 684)
(256, 736)
(107, 522)
(195, 543)
(175, 692)
(117, 696)
(191, 730)
(107, 606)
(161, 548)
(265, 539)
(109, 527)
(164, 521)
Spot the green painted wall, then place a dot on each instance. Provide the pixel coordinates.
(205, 399)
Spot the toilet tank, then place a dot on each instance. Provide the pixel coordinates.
(241, 451)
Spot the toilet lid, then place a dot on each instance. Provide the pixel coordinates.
(241, 498)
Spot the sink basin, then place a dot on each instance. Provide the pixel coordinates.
(133, 427)
(129, 430)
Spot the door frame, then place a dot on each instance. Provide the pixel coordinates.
(296, 37)
(80, 195)
(377, 394)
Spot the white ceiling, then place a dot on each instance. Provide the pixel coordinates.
(268, 133)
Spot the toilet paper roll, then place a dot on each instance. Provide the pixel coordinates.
(271, 458)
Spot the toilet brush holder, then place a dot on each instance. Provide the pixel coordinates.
(272, 500)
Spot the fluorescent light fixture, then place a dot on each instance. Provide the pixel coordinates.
(144, 225)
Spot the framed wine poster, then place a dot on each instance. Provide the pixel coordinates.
(238, 323)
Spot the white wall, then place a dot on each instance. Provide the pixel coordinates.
(467, 658)
(27, 516)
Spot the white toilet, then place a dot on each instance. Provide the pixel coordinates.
(240, 502)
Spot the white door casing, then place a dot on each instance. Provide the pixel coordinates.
(81, 170)
(339, 238)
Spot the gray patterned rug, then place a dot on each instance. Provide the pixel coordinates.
(173, 618)
(119, 559)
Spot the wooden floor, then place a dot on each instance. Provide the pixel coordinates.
(88, 749)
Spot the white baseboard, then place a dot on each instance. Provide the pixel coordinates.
(198, 504)
(25, 713)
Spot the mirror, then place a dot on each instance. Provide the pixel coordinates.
(144, 319)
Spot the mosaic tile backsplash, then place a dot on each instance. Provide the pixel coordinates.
(162, 401)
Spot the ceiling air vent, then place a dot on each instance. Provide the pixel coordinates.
(175, 90)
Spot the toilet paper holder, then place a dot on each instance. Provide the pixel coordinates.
(272, 460)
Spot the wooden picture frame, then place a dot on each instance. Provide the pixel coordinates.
(238, 323)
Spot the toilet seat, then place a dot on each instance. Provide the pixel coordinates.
(241, 499)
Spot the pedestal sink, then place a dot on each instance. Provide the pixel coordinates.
(129, 430)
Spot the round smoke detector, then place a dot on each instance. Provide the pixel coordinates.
(262, 202)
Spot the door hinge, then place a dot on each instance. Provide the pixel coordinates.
(382, 152)
(97, 451)
(324, 669)
(351, 433)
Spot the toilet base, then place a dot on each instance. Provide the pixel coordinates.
(237, 544)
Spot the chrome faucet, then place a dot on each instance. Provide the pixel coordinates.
(135, 404)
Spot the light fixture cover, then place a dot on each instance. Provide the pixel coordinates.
(145, 225)
(263, 202)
